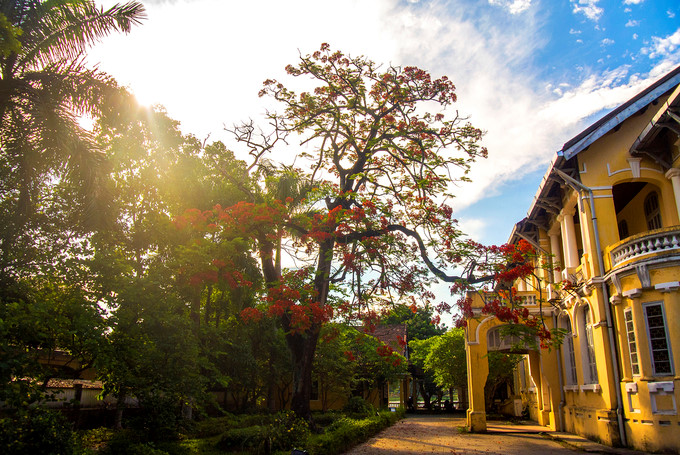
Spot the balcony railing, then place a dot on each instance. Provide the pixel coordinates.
(640, 246)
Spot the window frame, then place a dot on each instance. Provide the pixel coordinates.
(588, 347)
(661, 305)
(652, 212)
(631, 339)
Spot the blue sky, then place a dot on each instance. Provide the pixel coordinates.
(531, 73)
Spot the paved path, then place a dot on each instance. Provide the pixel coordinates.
(440, 434)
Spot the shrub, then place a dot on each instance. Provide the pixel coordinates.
(159, 418)
(287, 431)
(214, 426)
(346, 432)
(241, 438)
(359, 406)
(36, 431)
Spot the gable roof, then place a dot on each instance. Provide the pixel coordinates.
(610, 121)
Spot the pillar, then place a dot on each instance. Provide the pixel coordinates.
(568, 232)
(557, 256)
(478, 371)
(673, 175)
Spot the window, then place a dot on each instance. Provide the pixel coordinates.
(652, 211)
(591, 373)
(632, 344)
(568, 353)
(658, 338)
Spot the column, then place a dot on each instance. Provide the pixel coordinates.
(673, 175)
(557, 257)
(478, 371)
(568, 232)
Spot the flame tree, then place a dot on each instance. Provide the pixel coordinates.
(371, 223)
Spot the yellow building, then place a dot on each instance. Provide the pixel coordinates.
(607, 215)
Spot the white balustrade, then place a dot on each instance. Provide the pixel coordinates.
(654, 243)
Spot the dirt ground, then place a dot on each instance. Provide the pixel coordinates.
(442, 434)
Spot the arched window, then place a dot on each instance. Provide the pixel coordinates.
(588, 346)
(568, 351)
(652, 211)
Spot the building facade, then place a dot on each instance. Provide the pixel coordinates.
(606, 215)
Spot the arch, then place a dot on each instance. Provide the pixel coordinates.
(633, 198)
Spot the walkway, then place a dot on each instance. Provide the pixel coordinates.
(443, 434)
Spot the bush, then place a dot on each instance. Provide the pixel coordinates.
(287, 431)
(159, 418)
(345, 433)
(359, 406)
(214, 426)
(242, 438)
(36, 431)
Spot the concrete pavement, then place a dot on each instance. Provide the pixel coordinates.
(419, 434)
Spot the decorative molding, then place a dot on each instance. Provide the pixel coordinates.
(634, 164)
(591, 388)
(643, 274)
(672, 172)
(616, 299)
(632, 293)
(617, 283)
(659, 387)
(668, 287)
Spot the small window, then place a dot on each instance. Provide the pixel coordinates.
(590, 346)
(632, 344)
(652, 211)
(658, 339)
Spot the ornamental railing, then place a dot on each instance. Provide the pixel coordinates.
(653, 243)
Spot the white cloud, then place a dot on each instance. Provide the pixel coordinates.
(671, 14)
(632, 23)
(607, 42)
(574, 32)
(635, 36)
(632, 2)
(209, 75)
(662, 47)
(512, 6)
(589, 8)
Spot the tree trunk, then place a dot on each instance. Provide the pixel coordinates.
(302, 347)
(120, 407)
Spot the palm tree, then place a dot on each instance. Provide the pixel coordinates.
(45, 87)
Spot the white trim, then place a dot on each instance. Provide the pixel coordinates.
(668, 287)
(473, 343)
(591, 388)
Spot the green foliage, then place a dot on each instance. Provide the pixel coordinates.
(242, 438)
(36, 431)
(287, 431)
(444, 358)
(420, 321)
(345, 433)
(359, 406)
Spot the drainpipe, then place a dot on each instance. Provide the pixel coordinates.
(579, 187)
(563, 398)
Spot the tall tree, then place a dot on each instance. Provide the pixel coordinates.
(380, 168)
(44, 87)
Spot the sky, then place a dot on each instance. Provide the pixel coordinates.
(531, 73)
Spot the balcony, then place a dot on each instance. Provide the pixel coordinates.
(653, 243)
